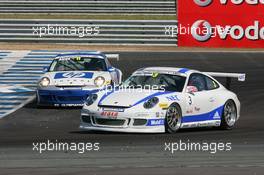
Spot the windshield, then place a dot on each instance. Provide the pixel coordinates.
(78, 64)
(162, 81)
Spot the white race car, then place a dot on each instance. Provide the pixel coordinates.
(163, 99)
(71, 77)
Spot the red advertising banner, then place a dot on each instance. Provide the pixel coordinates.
(221, 23)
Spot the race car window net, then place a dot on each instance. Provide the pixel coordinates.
(163, 81)
(78, 64)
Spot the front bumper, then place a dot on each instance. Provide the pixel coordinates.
(125, 122)
(63, 97)
(159, 129)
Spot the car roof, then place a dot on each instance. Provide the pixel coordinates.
(175, 70)
(96, 54)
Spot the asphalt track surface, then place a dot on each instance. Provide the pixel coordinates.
(143, 153)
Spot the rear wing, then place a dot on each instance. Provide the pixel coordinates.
(112, 56)
(228, 76)
(109, 56)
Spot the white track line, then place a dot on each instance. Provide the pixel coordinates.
(11, 59)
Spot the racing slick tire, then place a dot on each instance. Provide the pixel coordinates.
(173, 118)
(229, 115)
(38, 105)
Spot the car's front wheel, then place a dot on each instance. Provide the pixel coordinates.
(173, 118)
(229, 115)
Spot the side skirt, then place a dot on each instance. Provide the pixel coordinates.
(207, 123)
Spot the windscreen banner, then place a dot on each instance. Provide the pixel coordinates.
(221, 23)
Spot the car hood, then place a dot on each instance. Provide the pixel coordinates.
(128, 99)
(77, 78)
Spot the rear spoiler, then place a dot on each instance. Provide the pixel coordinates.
(109, 56)
(112, 56)
(228, 76)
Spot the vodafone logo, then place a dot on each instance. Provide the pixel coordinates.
(239, 2)
(203, 3)
(201, 30)
(236, 32)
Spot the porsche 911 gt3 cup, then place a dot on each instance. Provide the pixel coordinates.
(163, 99)
(72, 77)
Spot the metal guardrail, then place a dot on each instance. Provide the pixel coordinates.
(148, 7)
(107, 32)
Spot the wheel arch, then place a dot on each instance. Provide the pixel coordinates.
(178, 104)
(236, 105)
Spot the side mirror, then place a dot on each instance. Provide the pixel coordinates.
(111, 69)
(45, 69)
(192, 89)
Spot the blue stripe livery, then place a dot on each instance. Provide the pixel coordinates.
(213, 115)
(151, 96)
(183, 70)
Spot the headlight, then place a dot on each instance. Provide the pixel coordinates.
(44, 82)
(91, 99)
(151, 103)
(99, 81)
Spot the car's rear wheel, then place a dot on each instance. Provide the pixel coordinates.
(229, 115)
(173, 118)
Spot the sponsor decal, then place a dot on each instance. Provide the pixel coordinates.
(155, 122)
(160, 114)
(242, 77)
(74, 75)
(197, 109)
(216, 115)
(192, 110)
(68, 105)
(173, 98)
(155, 74)
(142, 114)
(110, 114)
(113, 109)
(107, 82)
(189, 111)
(163, 105)
(67, 58)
